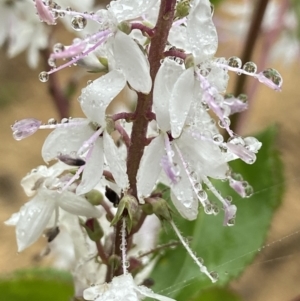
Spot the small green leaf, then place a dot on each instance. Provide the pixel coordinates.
(37, 285)
(226, 250)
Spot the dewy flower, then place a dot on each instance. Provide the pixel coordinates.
(127, 55)
(121, 288)
(88, 137)
(36, 215)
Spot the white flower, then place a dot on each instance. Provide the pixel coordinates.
(88, 138)
(121, 288)
(36, 214)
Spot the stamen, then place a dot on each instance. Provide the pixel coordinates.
(230, 210)
(212, 276)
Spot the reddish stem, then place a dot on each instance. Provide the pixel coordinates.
(144, 103)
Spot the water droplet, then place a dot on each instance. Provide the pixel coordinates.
(224, 123)
(65, 120)
(78, 22)
(44, 76)
(52, 62)
(202, 195)
(194, 176)
(214, 276)
(250, 67)
(215, 209)
(231, 222)
(218, 138)
(243, 97)
(52, 121)
(248, 191)
(273, 75)
(58, 47)
(234, 62)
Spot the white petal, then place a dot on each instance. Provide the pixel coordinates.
(180, 102)
(93, 168)
(66, 140)
(116, 161)
(178, 37)
(130, 59)
(13, 220)
(190, 213)
(34, 217)
(166, 77)
(201, 31)
(77, 205)
(130, 9)
(95, 98)
(145, 291)
(150, 167)
(205, 156)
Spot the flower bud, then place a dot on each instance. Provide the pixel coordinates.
(94, 197)
(160, 208)
(93, 229)
(128, 208)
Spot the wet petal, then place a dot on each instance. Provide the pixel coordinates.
(116, 161)
(77, 205)
(93, 168)
(130, 9)
(66, 140)
(165, 79)
(183, 92)
(131, 60)
(201, 31)
(150, 167)
(34, 217)
(95, 98)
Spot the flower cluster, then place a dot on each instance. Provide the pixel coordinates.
(164, 52)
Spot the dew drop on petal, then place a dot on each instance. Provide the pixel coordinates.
(273, 75)
(231, 222)
(58, 47)
(250, 67)
(78, 22)
(235, 62)
(44, 76)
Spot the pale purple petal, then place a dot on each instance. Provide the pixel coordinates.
(240, 151)
(44, 13)
(25, 128)
(95, 98)
(133, 62)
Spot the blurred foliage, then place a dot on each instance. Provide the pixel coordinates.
(227, 250)
(37, 285)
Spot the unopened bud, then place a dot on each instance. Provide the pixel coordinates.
(128, 208)
(189, 61)
(160, 208)
(182, 9)
(94, 197)
(93, 229)
(125, 27)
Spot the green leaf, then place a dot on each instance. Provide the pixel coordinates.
(226, 250)
(217, 294)
(37, 285)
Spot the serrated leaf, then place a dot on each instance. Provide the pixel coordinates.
(226, 250)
